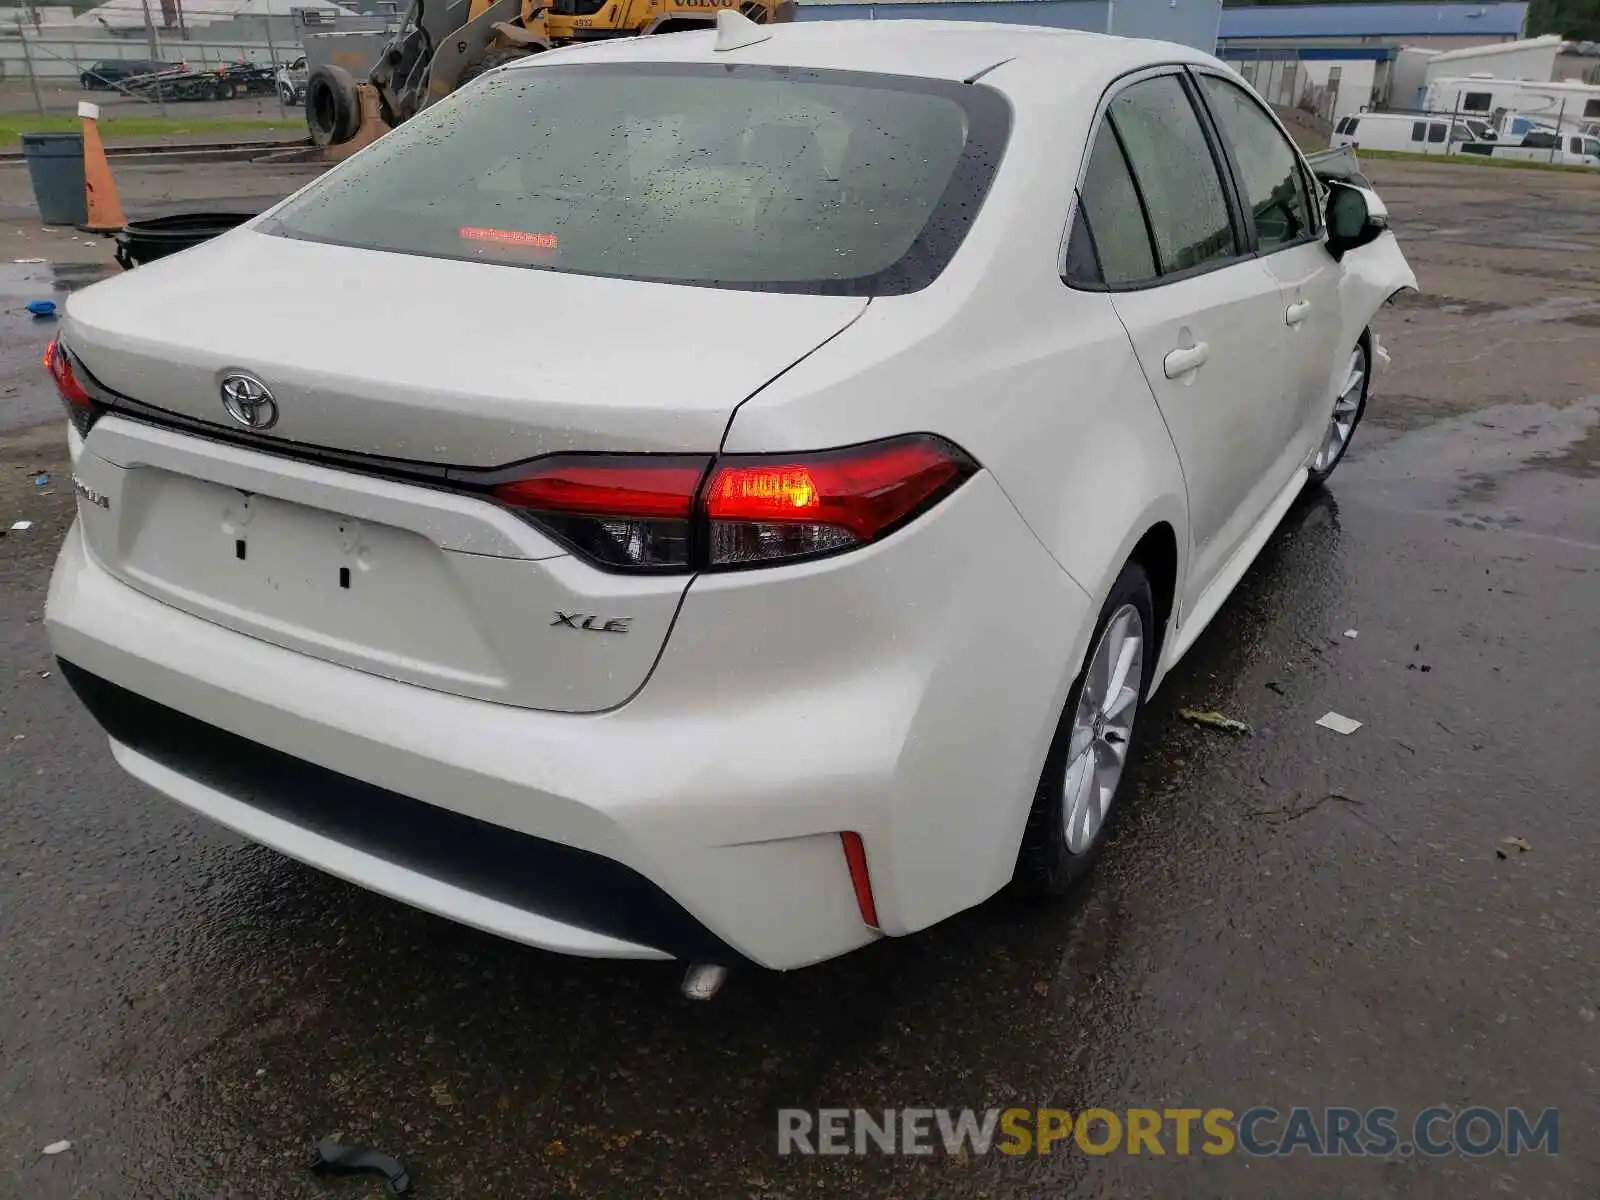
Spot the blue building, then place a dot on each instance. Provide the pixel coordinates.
(1450, 26)
(1332, 60)
(1191, 22)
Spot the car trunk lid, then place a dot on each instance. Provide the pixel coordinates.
(442, 361)
(423, 580)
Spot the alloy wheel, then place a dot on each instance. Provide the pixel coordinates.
(1102, 727)
(1346, 409)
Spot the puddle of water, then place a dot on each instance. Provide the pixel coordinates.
(1531, 468)
(49, 281)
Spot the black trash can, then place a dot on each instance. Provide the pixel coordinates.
(145, 241)
(55, 164)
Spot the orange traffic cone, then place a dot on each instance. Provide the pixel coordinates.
(99, 189)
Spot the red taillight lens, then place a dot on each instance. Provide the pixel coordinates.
(762, 508)
(665, 513)
(81, 408)
(620, 510)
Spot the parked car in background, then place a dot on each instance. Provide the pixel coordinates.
(1565, 149)
(108, 73)
(292, 82)
(810, 620)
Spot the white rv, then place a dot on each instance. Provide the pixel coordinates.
(1567, 105)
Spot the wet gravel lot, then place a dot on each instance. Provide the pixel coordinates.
(1289, 918)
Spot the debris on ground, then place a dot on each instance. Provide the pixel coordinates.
(1521, 844)
(42, 308)
(1338, 722)
(1212, 719)
(331, 1157)
(1274, 686)
(42, 479)
(29, 262)
(57, 1148)
(19, 526)
(1294, 810)
(1352, 633)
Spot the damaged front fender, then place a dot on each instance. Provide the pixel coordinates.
(1371, 275)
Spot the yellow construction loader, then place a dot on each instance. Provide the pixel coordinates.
(441, 45)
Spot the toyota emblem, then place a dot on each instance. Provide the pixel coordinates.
(249, 401)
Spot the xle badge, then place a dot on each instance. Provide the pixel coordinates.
(591, 624)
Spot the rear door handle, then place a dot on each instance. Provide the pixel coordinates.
(1185, 359)
(1297, 312)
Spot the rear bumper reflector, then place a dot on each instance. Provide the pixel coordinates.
(855, 856)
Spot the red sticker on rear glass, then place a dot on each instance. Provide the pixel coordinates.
(509, 237)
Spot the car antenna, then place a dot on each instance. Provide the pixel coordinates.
(735, 31)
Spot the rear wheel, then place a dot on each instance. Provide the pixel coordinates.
(1083, 772)
(1348, 407)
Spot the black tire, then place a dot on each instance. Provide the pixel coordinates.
(333, 105)
(499, 56)
(1046, 865)
(1317, 476)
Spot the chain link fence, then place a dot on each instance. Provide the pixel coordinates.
(227, 66)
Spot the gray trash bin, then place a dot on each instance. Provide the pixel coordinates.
(55, 163)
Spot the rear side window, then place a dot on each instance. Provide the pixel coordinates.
(1176, 174)
(732, 176)
(1419, 130)
(1591, 108)
(1436, 133)
(1269, 168)
(1476, 102)
(1113, 216)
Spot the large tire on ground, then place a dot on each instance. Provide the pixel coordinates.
(499, 56)
(333, 106)
(1084, 772)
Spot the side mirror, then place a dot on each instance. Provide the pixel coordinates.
(1351, 224)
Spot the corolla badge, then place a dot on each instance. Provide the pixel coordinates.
(249, 401)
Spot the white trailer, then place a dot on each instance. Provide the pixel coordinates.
(1565, 106)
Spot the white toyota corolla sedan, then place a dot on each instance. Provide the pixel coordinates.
(723, 496)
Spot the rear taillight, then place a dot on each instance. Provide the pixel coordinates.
(761, 508)
(82, 411)
(627, 511)
(647, 512)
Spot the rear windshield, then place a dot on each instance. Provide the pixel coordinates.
(729, 176)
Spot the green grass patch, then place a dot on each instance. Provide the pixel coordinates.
(1476, 160)
(131, 129)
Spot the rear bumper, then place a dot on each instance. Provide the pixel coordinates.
(479, 874)
(906, 692)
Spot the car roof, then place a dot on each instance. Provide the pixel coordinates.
(953, 50)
